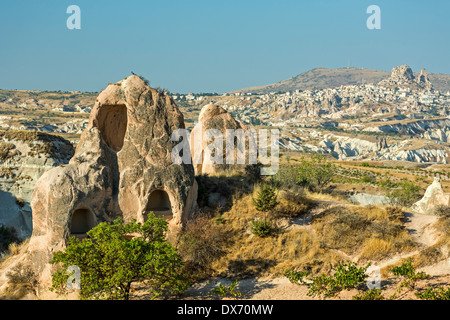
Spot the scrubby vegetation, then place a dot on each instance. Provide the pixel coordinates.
(297, 232)
(369, 232)
(22, 280)
(7, 150)
(227, 291)
(347, 276)
(344, 276)
(287, 224)
(40, 143)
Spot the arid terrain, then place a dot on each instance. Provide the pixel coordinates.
(384, 136)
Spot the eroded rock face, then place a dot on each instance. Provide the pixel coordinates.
(24, 157)
(121, 168)
(404, 76)
(211, 131)
(434, 196)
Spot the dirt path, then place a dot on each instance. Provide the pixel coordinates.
(421, 228)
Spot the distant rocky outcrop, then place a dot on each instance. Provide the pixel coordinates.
(434, 196)
(348, 148)
(122, 167)
(423, 80)
(403, 75)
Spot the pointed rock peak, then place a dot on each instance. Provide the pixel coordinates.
(211, 110)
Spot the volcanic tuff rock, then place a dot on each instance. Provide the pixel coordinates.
(122, 167)
(403, 75)
(216, 120)
(24, 157)
(434, 196)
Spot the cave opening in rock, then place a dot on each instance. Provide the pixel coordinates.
(112, 124)
(159, 203)
(82, 221)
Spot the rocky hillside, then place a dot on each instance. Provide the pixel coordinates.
(321, 78)
(24, 157)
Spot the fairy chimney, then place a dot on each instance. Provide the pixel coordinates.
(122, 167)
(208, 141)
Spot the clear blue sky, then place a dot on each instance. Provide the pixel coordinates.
(212, 46)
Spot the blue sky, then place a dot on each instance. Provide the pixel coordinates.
(212, 46)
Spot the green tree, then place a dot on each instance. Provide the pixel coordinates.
(405, 195)
(265, 201)
(315, 173)
(115, 255)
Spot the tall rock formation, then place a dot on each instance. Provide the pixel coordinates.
(208, 140)
(403, 76)
(122, 167)
(423, 80)
(433, 197)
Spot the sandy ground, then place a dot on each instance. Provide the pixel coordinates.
(282, 289)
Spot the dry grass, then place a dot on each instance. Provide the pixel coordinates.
(14, 249)
(21, 281)
(335, 234)
(318, 196)
(375, 249)
(370, 233)
(249, 255)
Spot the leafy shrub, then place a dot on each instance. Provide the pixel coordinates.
(407, 271)
(346, 276)
(372, 294)
(224, 291)
(285, 178)
(405, 195)
(21, 280)
(315, 173)
(110, 261)
(368, 179)
(297, 277)
(409, 275)
(439, 293)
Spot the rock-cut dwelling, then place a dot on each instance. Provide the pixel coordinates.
(122, 167)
